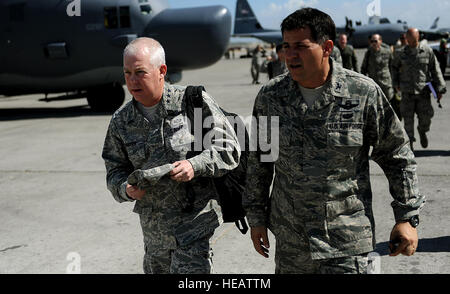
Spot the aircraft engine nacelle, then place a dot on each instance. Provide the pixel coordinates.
(204, 34)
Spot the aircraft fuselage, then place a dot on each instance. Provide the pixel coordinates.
(43, 49)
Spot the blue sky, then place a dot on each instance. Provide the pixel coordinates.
(270, 13)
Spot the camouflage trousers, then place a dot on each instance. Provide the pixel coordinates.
(255, 73)
(194, 258)
(420, 105)
(293, 256)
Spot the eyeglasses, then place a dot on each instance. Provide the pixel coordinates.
(373, 41)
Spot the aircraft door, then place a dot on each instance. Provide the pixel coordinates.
(12, 19)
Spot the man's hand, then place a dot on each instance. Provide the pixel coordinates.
(404, 234)
(183, 171)
(260, 240)
(135, 193)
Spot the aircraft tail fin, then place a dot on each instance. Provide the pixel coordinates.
(245, 22)
(434, 26)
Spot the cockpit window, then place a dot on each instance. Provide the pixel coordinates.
(143, 1)
(125, 17)
(146, 9)
(111, 17)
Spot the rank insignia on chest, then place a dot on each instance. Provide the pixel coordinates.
(347, 116)
(348, 104)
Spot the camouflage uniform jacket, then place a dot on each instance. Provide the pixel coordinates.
(411, 71)
(336, 55)
(378, 66)
(349, 60)
(321, 177)
(134, 143)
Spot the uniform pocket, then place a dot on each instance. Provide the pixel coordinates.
(350, 138)
(136, 152)
(346, 221)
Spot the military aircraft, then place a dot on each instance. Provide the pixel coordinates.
(56, 46)
(247, 25)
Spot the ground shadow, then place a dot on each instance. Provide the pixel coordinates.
(11, 114)
(439, 244)
(431, 153)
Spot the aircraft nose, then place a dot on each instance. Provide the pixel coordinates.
(204, 34)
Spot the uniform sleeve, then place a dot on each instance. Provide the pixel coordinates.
(365, 63)
(222, 150)
(437, 75)
(118, 167)
(396, 66)
(259, 173)
(355, 61)
(391, 62)
(391, 150)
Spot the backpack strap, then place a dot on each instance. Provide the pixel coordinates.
(194, 96)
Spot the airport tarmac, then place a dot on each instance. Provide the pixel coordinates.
(57, 216)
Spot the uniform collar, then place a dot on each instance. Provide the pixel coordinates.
(166, 105)
(420, 49)
(336, 87)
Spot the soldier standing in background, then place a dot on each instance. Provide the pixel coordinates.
(277, 65)
(442, 56)
(257, 61)
(349, 60)
(415, 66)
(146, 157)
(377, 64)
(336, 55)
(320, 207)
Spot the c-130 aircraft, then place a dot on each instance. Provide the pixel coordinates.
(55, 46)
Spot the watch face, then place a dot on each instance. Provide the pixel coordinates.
(414, 221)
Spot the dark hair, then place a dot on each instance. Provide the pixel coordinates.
(279, 47)
(321, 24)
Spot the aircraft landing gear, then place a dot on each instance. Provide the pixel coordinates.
(106, 98)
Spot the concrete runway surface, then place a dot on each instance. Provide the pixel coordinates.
(57, 216)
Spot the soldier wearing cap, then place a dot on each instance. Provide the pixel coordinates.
(146, 153)
(314, 194)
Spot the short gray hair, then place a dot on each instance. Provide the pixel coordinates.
(157, 56)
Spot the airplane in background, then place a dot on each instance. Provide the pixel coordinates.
(435, 27)
(56, 46)
(247, 25)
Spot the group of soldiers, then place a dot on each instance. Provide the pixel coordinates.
(312, 188)
(403, 70)
(272, 63)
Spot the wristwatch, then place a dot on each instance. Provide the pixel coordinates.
(414, 221)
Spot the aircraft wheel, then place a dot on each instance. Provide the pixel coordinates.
(106, 98)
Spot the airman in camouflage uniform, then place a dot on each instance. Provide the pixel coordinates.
(145, 157)
(320, 206)
(377, 64)
(336, 55)
(348, 54)
(414, 66)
